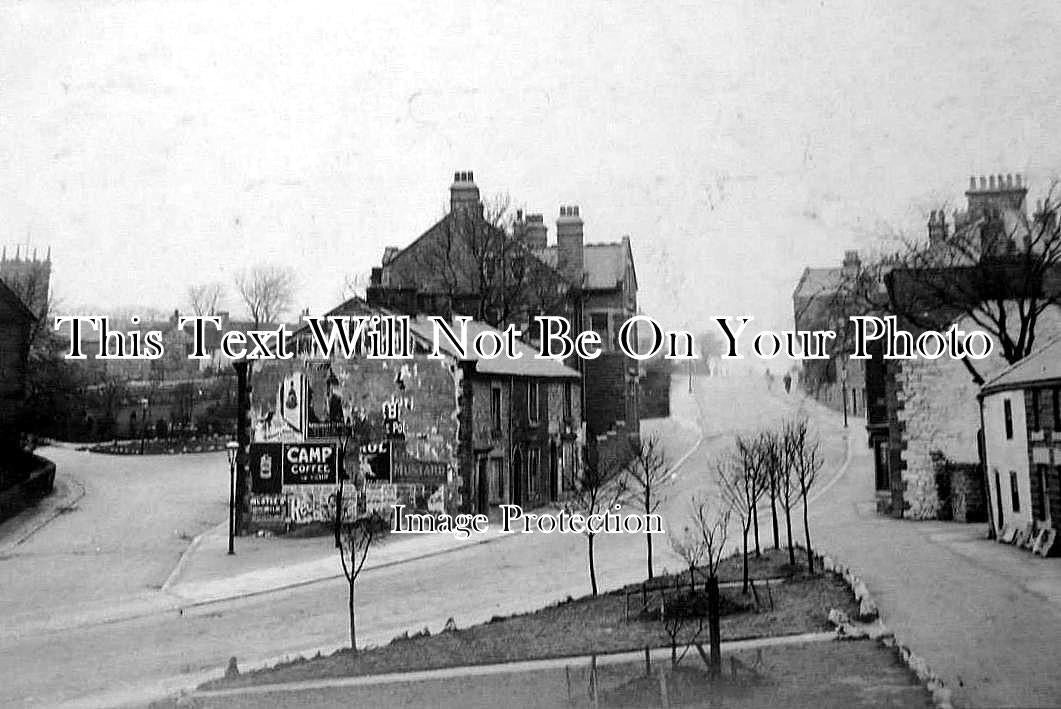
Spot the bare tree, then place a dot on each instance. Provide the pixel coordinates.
(598, 488)
(786, 484)
(204, 298)
(997, 268)
(740, 475)
(482, 270)
(806, 462)
(267, 292)
(647, 478)
(772, 461)
(700, 546)
(353, 539)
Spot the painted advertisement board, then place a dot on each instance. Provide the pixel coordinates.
(310, 463)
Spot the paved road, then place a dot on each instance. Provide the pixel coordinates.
(517, 574)
(122, 537)
(985, 616)
(920, 579)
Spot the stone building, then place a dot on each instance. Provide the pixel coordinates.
(923, 420)
(822, 301)
(16, 321)
(1021, 412)
(467, 264)
(29, 277)
(453, 432)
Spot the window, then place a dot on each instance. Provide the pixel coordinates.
(567, 400)
(498, 479)
(881, 465)
(598, 322)
(532, 401)
(1035, 410)
(1007, 409)
(1013, 491)
(1057, 408)
(1040, 493)
(534, 459)
(495, 408)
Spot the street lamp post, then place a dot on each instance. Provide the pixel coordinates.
(231, 448)
(143, 423)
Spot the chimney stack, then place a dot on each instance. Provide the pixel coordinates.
(937, 227)
(570, 260)
(535, 233)
(463, 194)
(852, 263)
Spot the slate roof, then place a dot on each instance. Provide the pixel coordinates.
(817, 281)
(16, 303)
(526, 365)
(1040, 367)
(603, 264)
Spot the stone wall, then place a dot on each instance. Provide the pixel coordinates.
(937, 411)
(960, 488)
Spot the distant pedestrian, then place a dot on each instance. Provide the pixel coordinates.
(788, 382)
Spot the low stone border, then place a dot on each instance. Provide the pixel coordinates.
(869, 625)
(154, 447)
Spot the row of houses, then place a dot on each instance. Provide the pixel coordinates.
(937, 453)
(455, 432)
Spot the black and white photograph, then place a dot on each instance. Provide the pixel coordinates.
(504, 354)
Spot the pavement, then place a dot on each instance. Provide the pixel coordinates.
(985, 616)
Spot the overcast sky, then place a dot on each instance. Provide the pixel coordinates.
(154, 145)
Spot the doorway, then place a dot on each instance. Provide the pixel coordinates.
(554, 473)
(517, 478)
(483, 486)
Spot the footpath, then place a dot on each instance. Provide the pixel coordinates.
(985, 616)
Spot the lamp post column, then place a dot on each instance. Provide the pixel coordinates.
(232, 448)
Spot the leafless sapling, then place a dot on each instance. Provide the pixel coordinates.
(700, 545)
(786, 483)
(772, 459)
(739, 476)
(354, 539)
(647, 479)
(806, 464)
(598, 488)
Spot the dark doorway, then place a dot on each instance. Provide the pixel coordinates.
(517, 478)
(483, 486)
(554, 473)
(998, 497)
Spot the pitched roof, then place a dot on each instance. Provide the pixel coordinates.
(8, 295)
(817, 281)
(1040, 367)
(603, 264)
(526, 364)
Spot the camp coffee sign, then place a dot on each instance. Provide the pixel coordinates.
(310, 464)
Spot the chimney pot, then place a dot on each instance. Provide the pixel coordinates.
(1018, 179)
(1009, 181)
(972, 183)
(570, 259)
(991, 182)
(983, 182)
